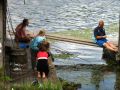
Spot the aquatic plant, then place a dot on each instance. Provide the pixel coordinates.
(63, 56)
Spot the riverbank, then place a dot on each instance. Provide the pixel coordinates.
(87, 34)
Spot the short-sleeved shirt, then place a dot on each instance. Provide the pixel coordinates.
(42, 55)
(98, 31)
(36, 41)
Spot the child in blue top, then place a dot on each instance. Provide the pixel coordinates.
(34, 46)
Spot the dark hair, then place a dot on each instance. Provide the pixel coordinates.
(25, 22)
(44, 46)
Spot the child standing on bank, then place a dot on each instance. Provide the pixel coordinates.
(42, 60)
(34, 47)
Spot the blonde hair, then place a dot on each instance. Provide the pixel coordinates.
(41, 32)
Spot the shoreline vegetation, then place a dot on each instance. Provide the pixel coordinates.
(86, 34)
(63, 55)
(82, 34)
(41, 86)
(6, 85)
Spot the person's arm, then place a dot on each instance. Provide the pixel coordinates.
(24, 32)
(100, 37)
(30, 34)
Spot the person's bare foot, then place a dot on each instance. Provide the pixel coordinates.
(43, 76)
(39, 76)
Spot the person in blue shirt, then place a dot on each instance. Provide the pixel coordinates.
(34, 46)
(35, 42)
(100, 36)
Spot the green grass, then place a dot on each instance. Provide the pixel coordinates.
(112, 28)
(76, 34)
(68, 85)
(3, 80)
(44, 86)
(63, 56)
(86, 34)
(3, 77)
(26, 86)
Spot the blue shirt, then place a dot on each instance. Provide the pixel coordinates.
(98, 31)
(35, 41)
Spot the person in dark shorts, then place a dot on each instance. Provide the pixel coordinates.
(34, 50)
(100, 36)
(34, 47)
(42, 57)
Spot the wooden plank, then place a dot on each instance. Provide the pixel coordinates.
(66, 39)
(71, 40)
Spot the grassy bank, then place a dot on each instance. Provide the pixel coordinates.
(1, 79)
(86, 34)
(43, 86)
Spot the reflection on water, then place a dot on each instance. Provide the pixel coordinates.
(83, 54)
(90, 77)
(86, 69)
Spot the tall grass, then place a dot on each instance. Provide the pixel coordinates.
(42, 86)
(4, 80)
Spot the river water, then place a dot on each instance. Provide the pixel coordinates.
(83, 54)
(86, 68)
(60, 15)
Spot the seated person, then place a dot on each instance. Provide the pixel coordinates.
(100, 36)
(20, 32)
